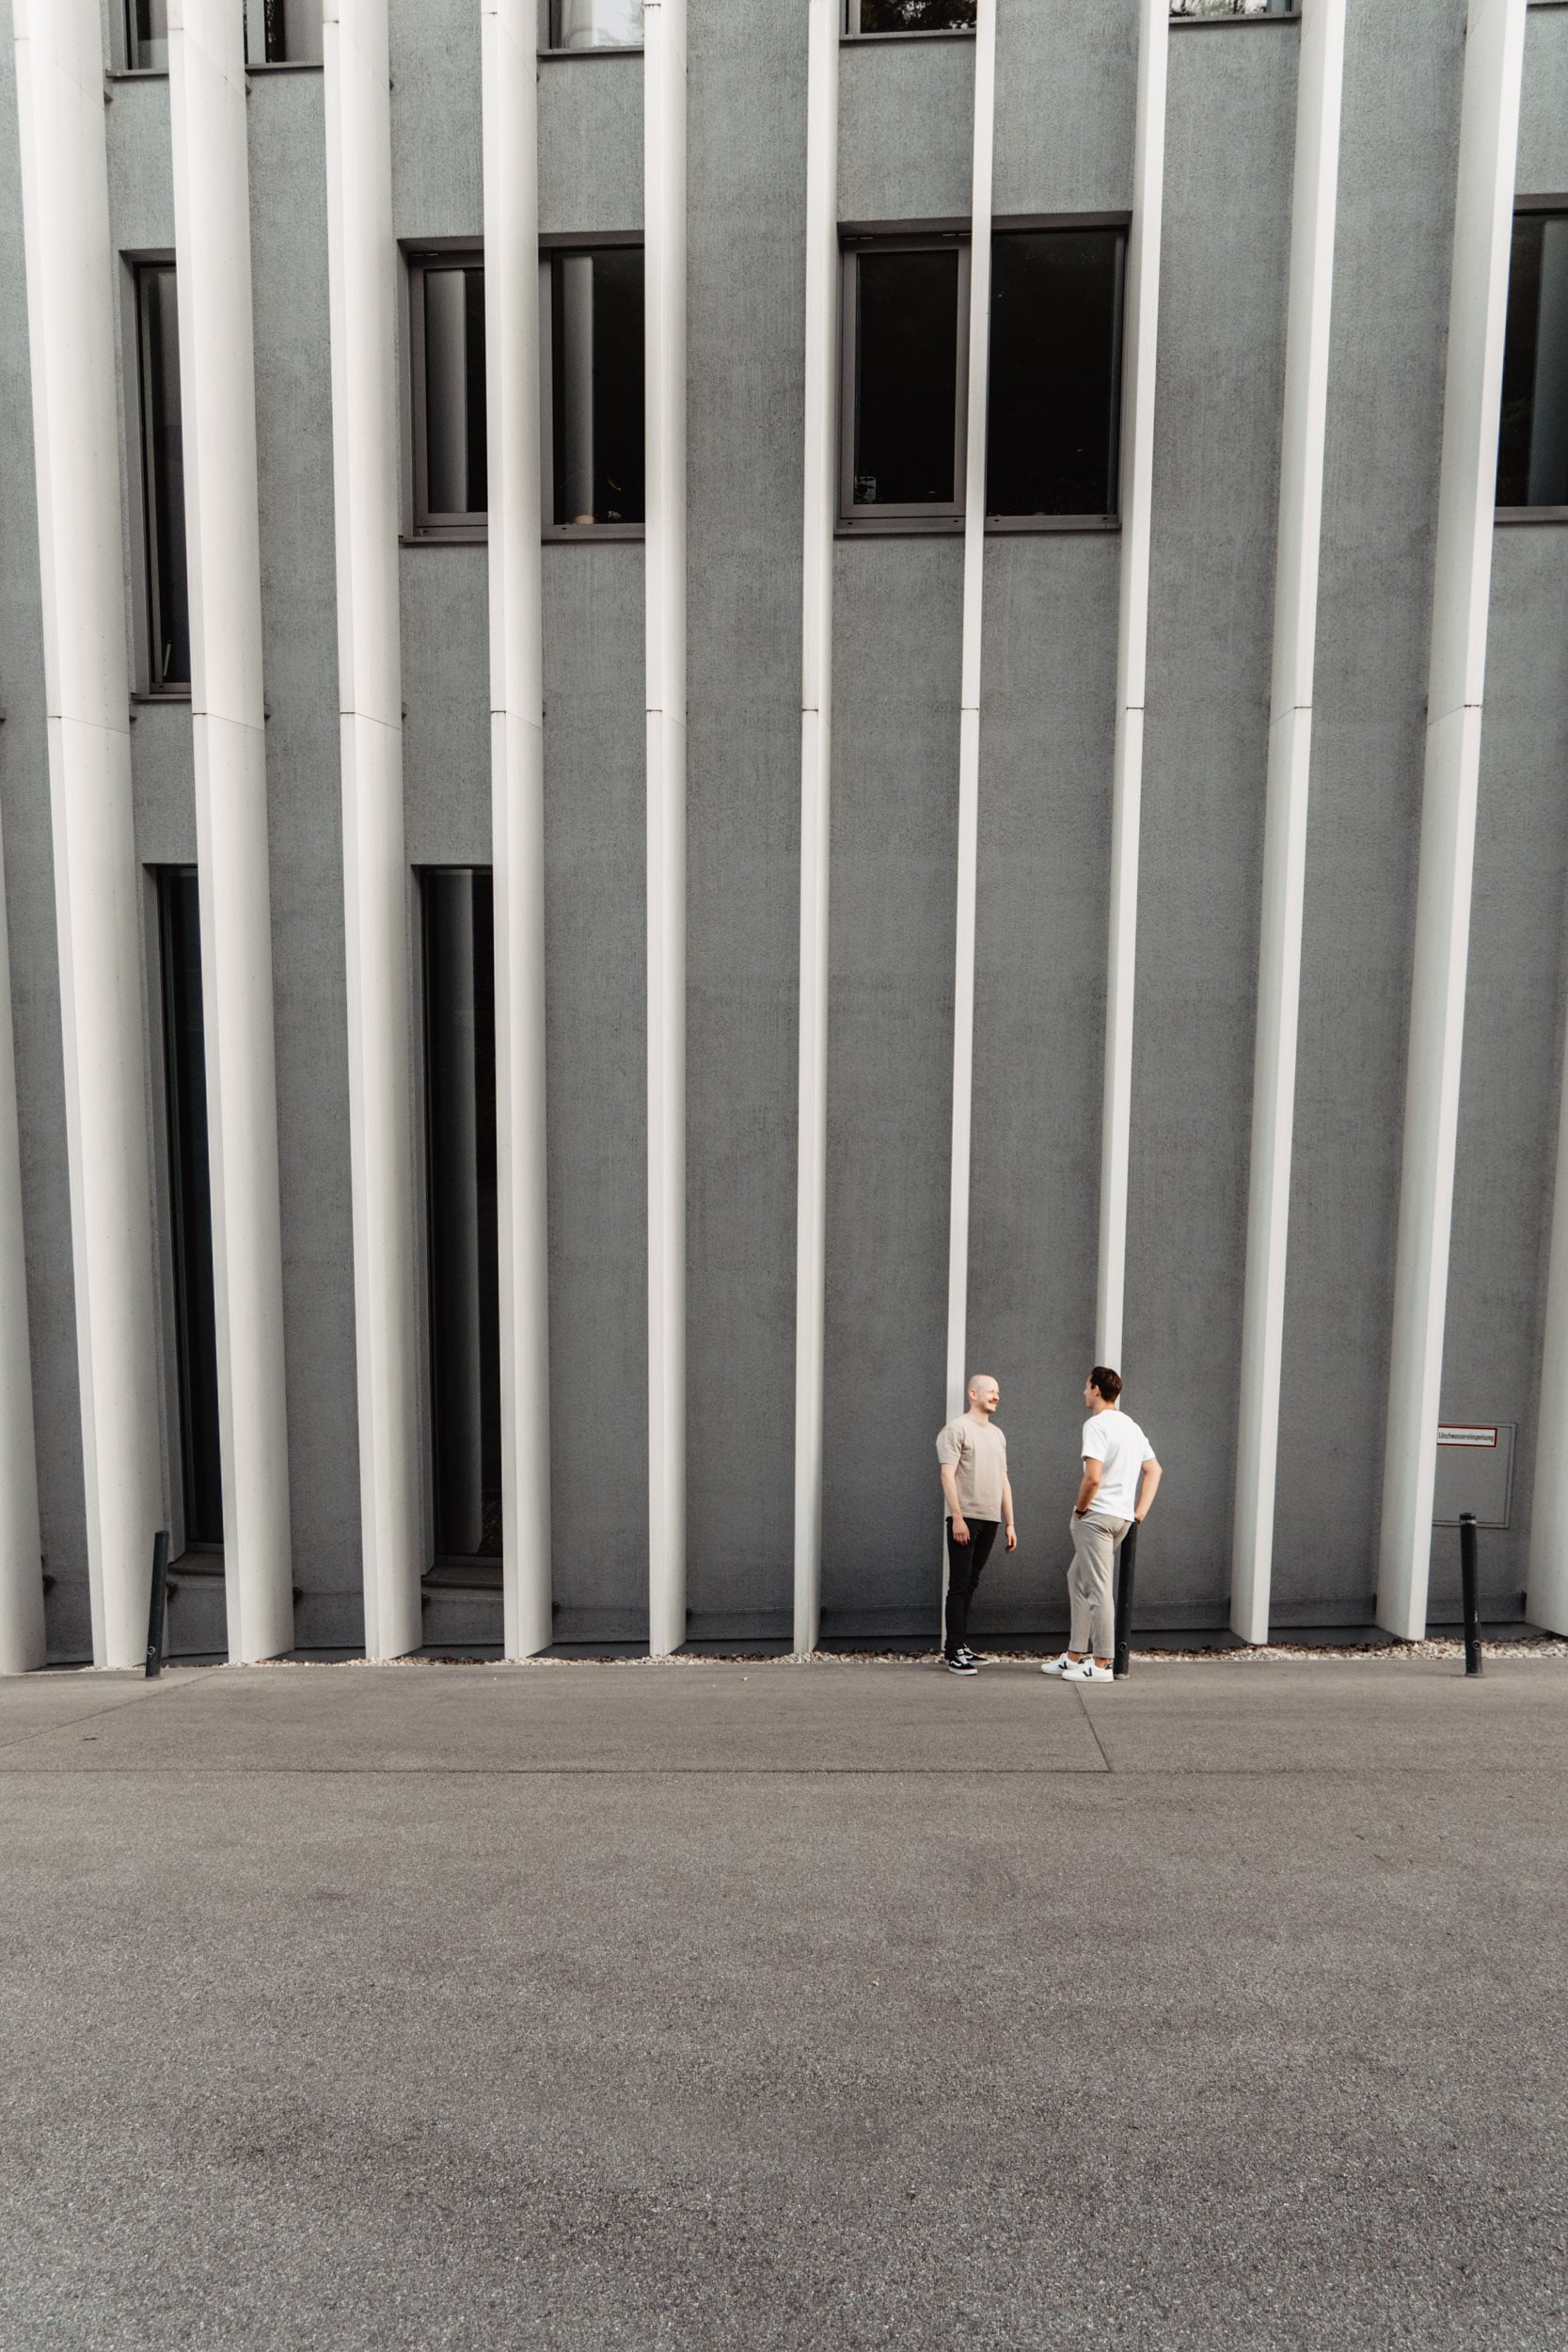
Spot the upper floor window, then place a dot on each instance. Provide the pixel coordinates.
(169, 613)
(906, 303)
(147, 35)
(1053, 416)
(592, 372)
(909, 16)
(1532, 446)
(447, 354)
(1235, 7)
(283, 32)
(590, 24)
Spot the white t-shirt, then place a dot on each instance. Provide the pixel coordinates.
(1116, 1440)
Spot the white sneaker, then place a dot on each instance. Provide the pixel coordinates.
(1056, 1665)
(1087, 1671)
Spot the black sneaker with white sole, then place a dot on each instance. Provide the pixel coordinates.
(962, 1664)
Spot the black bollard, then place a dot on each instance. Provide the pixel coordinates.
(158, 1605)
(1467, 1582)
(1127, 1564)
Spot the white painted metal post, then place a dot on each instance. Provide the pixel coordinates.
(217, 386)
(664, 230)
(969, 705)
(1466, 497)
(362, 282)
(816, 688)
(1139, 349)
(22, 1629)
(517, 806)
(1319, 87)
(71, 315)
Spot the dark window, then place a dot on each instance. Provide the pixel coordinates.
(1532, 448)
(595, 379)
(909, 16)
(163, 478)
(283, 32)
(460, 1117)
(904, 308)
(1235, 7)
(147, 34)
(190, 1205)
(450, 478)
(1055, 332)
(590, 24)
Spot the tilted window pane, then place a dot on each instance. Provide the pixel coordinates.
(596, 387)
(164, 480)
(465, 1315)
(190, 1203)
(1054, 334)
(906, 378)
(910, 16)
(595, 24)
(283, 32)
(456, 466)
(1532, 446)
(146, 33)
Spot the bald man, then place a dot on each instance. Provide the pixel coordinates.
(973, 1454)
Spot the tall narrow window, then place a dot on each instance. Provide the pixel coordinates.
(909, 16)
(590, 24)
(147, 35)
(1532, 446)
(464, 1316)
(283, 32)
(450, 478)
(904, 316)
(190, 1205)
(1055, 361)
(169, 613)
(595, 329)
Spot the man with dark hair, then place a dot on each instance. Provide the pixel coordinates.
(973, 1457)
(1118, 1484)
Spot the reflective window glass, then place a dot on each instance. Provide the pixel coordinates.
(163, 478)
(596, 402)
(1532, 446)
(1052, 413)
(909, 16)
(591, 25)
(905, 359)
(283, 32)
(451, 306)
(190, 1205)
(147, 35)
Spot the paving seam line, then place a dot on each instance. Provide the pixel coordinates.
(42, 1731)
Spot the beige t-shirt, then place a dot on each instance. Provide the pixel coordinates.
(979, 1453)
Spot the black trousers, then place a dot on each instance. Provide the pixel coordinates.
(964, 1563)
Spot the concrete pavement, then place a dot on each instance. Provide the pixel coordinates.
(845, 2005)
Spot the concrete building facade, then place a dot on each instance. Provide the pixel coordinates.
(615, 956)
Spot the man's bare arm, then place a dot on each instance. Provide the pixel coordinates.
(1149, 1488)
(1093, 1472)
(950, 1495)
(1007, 1514)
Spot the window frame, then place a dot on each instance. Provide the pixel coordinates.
(854, 240)
(427, 526)
(611, 49)
(1553, 206)
(143, 602)
(1022, 224)
(551, 244)
(849, 29)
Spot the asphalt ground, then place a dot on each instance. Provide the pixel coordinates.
(838, 2005)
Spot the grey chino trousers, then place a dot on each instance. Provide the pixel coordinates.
(1088, 1584)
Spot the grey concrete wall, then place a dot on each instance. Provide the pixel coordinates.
(1401, 128)
(1229, 153)
(1064, 143)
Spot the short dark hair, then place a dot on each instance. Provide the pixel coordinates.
(1106, 1381)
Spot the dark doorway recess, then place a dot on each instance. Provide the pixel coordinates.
(460, 1132)
(191, 1206)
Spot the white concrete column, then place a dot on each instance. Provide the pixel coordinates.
(72, 313)
(518, 805)
(22, 1630)
(362, 287)
(1319, 83)
(1140, 339)
(664, 230)
(1466, 495)
(969, 706)
(816, 694)
(218, 391)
